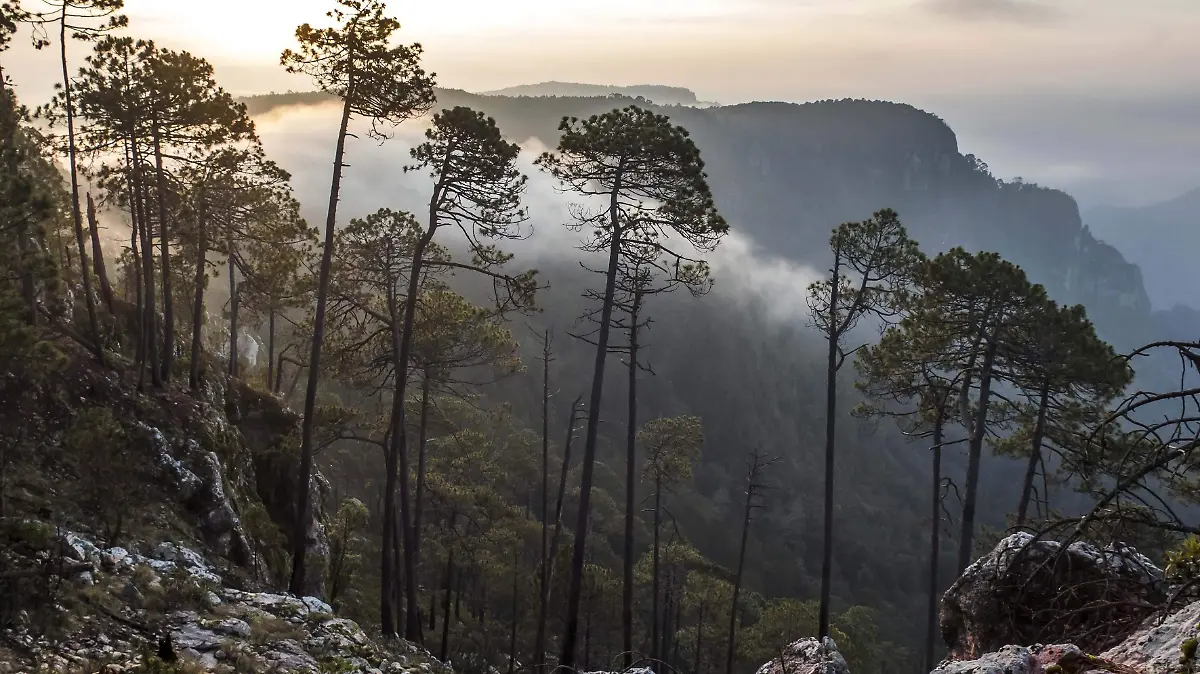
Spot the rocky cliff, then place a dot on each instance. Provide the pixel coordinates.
(143, 530)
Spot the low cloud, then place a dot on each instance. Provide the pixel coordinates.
(301, 140)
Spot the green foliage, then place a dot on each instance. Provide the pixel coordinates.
(356, 62)
(267, 541)
(108, 479)
(671, 447)
(1183, 563)
(346, 548)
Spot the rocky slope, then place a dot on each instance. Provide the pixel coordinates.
(143, 531)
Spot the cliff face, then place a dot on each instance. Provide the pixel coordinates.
(786, 174)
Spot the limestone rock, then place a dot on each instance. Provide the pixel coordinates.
(1016, 594)
(1156, 647)
(808, 656)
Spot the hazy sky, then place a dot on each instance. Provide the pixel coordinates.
(1101, 97)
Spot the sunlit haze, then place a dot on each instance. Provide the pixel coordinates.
(1039, 89)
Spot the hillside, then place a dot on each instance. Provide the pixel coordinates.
(786, 173)
(1159, 238)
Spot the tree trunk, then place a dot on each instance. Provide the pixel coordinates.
(935, 530)
(270, 345)
(544, 581)
(198, 296)
(574, 594)
(1035, 455)
(966, 538)
(432, 610)
(539, 648)
(655, 636)
(587, 638)
(630, 487)
(512, 635)
(699, 635)
(234, 300)
(150, 323)
(413, 631)
(303, 507)
(168, 353)
(446, 602)
(76, 215)
(830, 427)
(737, 579)
(422, 441)
(389, 573)
(98, 267)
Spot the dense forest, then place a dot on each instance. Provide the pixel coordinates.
(679, 389)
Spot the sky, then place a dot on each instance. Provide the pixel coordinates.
(1099, 97)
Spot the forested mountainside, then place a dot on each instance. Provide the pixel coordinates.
(1157, 238)
(786, 172)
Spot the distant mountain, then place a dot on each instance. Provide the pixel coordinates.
(657, 93)
(1162, 239)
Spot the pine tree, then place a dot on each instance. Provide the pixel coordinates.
(652, 180)
(672, 446)
(355, 62)
(83, 20)
(873, 265)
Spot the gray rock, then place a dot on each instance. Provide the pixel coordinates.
(196, 638)
(1155, 647)
(1007, 660)
(290, 656)
(1014, 595)
(132, 596)
(806, 656)
(233, 627)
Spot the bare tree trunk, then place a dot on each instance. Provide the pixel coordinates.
(1035, 455)
(830, 428)
(168, 353)
(303, 507)
(574, 594)
(150, 321)
(234, 300)
(655, 636)
(751, 486)
(544, 579)
(512, 635)
(975, 452)
(76, 215)
(630, 488)
(270, 346)
(699, 638)
(199, 279)
(935, 530)
(98, 267)
(422, 441)
(446, 602)
(539, 648)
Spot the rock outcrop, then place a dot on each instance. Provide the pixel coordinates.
(172, 599)
(1029, 591)
(808, 656)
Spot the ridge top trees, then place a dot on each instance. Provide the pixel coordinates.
(873, 265)
(354, 61)
(649, 177)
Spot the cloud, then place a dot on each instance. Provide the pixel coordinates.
(1016, 11)
(301, 139)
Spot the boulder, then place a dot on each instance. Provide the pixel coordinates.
(808, 656)
(1029, 591)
